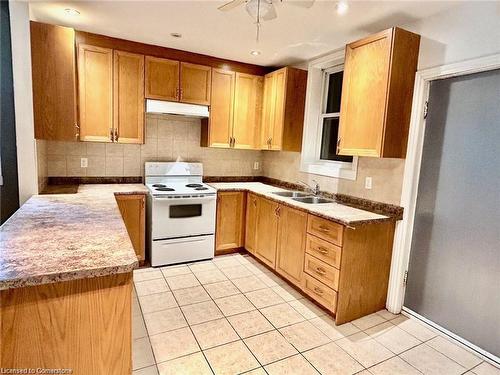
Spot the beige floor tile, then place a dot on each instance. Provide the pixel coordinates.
(157, 302)
(151, 274)
(304, 336)
(451, 350)
(188, 296)
(368, 321)
(287, 292)
(214, 333)
(332, 360)
(226, 262)
(250, 323)
(142, 355)
(182, 281)
(190, 364)
(144, 288)
(202, 266)
(364, 349)
(138, 327)
(152, 370)
(232, 358)
(387, 315)
(249, 284)
(170, 271)
(233, 305)
(257, 371)
(270, 279)
(173, 344)
(296, 365)
(236, 272)
(430, 361)
(393, 337)
(270, 347)
(221, 289)
(136, 308)
(394, 366)
(282, 315)
(326, 324)
(210, 277)
(264, 297)
(414, 328)
(256, 269)
(201, 312)
(307, 309)
(164, 320)
(486, 369)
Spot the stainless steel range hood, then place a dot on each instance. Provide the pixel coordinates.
(175, 108)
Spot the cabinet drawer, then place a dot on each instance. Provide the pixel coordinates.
(323, 250)
(322, 271)
(325, 229)
(320, 293)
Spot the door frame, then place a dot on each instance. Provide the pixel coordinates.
(404, 228)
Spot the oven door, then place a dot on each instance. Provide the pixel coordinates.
(182, 217)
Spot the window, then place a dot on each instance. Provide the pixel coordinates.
(330, 114)
(321, 121)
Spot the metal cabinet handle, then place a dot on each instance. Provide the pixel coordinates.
(77, 134)
(254, 201)
(318, 291)
(320, 271)
(116, 135)
(111, 134)
(322, 250)
(324, 229)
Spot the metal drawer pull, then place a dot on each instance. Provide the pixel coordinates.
(318, 291)
(323, 228)
(320, 271)
(322, 250)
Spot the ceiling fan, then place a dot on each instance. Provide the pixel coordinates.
(262, 10)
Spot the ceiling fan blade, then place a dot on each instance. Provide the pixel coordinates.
(271, 14)
(231, 5)
(301, 3)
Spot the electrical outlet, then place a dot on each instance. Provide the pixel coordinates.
(256, 165)
(368, 183)
(84, 162)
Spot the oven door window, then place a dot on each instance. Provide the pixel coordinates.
(185, 210)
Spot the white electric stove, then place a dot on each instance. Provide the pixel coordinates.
(181, 213)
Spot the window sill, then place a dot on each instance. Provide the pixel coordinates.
(347, 171)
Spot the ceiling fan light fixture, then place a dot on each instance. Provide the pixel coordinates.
(72, 12)
(341, 7)
(255, 9)
(255, 53)
(176, 35)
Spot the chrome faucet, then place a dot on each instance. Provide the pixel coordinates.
(315, 190)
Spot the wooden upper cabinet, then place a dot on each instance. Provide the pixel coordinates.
(292, 234)
(251, 222)
(377, 92)
(221, 109)
(230, 220)
(54, 95)
(283, 109)
(267, 231)
(162, 79)
(95, 82)
(128, 97)
(195, 83)
(247, 111)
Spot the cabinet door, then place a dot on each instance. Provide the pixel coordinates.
(251, 222)
(162, 79)
(195, 83)
(54, 95)
(221, 108)
(364, 92)
(278, 123)
(230, 220)
(132, 210)
(128, 97)
(247, 110)
(292, 234)
(267, 231)
(95, 81)
(268, 108)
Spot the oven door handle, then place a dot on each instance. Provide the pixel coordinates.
(187, 239)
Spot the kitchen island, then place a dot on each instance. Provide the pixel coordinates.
(66, 264)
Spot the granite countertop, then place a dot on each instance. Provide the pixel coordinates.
(62, 237)
(340, 213)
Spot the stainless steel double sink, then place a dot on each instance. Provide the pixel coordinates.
(302, 197)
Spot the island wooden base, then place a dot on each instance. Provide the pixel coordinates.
(83, 325)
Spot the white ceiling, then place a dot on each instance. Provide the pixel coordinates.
(298, 34)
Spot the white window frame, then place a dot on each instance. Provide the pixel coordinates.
(313, 121)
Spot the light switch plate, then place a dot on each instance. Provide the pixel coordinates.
(84, 162)
(368, 183)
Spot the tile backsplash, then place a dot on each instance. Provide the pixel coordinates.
(168, 138)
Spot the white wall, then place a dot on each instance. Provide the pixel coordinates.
(23, 100)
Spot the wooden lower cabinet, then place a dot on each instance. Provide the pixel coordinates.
(266, 231)
(230, 224)
(292, 230)
(132, 208)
